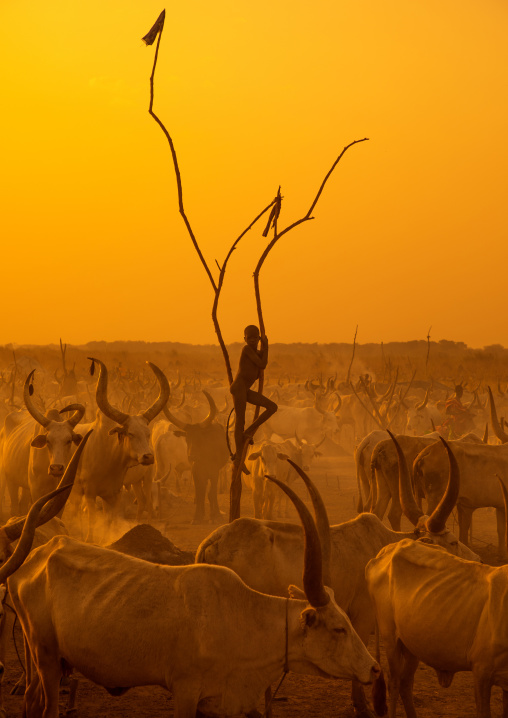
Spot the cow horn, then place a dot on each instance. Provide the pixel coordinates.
(14, 530)
(178, 380)
(101, 395)
(505, 499)
(436, 523)
(322, 521)
(498, 431)
(30, 523)
(298, 440)
(501, 393)
(37, 415)
(486, 434)
(79, 412)
(407, 499)
(177, 422)
(163, 397)
(338, 408)
(313, 558)
(213, 410)
(424, 402)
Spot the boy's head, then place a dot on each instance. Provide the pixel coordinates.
(251, 335)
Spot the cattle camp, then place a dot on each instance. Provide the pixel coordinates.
(253, 375)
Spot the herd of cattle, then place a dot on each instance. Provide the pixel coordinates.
(309, 599)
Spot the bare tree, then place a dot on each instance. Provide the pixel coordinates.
(154, 34)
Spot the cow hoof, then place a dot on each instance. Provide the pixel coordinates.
(364, 713)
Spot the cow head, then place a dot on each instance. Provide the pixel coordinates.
(330, 643)
(432, 529)
(42, 511)
(57, 436)
(133, 431)
(418, 417)
(195, 433)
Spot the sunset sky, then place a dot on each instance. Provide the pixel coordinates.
(411, 229)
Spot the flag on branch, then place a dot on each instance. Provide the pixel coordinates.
(150, 36)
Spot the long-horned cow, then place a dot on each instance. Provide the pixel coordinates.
(447, 612)
(191, 641)
(37, 451)
(207, 453)
(119, 441)
(37, 528)
(268, 555)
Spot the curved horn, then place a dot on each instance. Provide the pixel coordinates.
(322, 522)
(101, 395)
(313, 559)
(407, 499)
(24, 546)
(338, 408)
(169, 416)
(178, 380)
(212, 413)
(13, 530)
(163, 397)
(498, 431)
(424, 402)
(37, 415)
(505, 499)
(436, 523)
(79, 412)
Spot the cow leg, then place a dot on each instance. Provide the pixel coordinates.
(465, 514)
(186, 701)
(382, 496)
(215, 513)
(140, 498)
(407, 681)
(360, 615)
(200, 482)
(482, 689)
(501, 534)
(394, 655)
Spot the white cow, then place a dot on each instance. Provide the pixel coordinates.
(120, 441)
(268, 555)
(191, 641)
(449, 613)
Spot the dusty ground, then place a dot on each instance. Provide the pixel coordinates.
(301, 696)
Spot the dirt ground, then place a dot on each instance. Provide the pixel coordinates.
(299, 696)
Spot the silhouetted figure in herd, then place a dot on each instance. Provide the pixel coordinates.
(252, 362)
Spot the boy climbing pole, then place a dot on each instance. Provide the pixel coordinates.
(252, 362)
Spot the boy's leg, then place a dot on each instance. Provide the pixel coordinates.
(270, 407)
(240, 404)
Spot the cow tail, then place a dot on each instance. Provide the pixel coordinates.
(379, 686)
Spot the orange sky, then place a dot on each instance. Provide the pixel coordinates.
(411, 230)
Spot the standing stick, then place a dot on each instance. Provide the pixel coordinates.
(352, 357)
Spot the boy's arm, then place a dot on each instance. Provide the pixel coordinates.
(252, 354)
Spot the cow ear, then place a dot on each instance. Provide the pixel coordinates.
(119, 431)
(76, 438)
(295, 592)
(308, 617)
(39, 442)
(282, 457)
(255, 455)
(179, 433)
